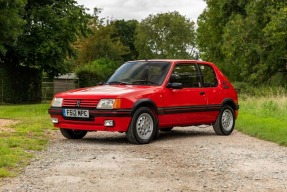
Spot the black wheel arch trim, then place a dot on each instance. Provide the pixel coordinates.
(230, 102)
(145, 101)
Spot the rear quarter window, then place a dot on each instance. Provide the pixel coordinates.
(209, 76)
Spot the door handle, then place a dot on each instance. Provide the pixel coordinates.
(202, 93)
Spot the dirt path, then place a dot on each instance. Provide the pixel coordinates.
(5, 123)
(186, 159)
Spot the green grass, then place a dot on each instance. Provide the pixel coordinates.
(18, 145)
(264, 117)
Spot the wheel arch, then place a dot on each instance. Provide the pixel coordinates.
(231, 103)
(144, 103)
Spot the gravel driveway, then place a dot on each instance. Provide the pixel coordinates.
(185, 159)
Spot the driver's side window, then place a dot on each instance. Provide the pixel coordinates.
(186, 74)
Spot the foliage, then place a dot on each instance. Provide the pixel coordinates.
(45, 42)
(101, 45)
(39, 37)
(125, 31)
(245, 89)
(113, 40)
(30, 134)
(95, 72)
(166, 35)
(10, 22)
(51, 27)
(211, 24)
(29, 79)
(247, 39)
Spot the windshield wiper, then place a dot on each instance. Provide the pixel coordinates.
(117, 83)
(144, 82)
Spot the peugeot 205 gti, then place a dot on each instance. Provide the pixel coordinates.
(145, 96)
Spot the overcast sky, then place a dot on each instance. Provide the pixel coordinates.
(140, 9)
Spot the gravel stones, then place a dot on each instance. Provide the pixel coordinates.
(186, 159)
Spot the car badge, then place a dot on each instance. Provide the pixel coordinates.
(78, 103)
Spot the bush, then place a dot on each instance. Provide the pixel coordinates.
(95, 72)
(262, 91)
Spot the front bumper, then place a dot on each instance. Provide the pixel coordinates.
(96, 121)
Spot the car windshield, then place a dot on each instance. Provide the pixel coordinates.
(142, 73)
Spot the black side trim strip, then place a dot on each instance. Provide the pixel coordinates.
(190, 109)
(128, 112)
(160, 111)
(111, 113)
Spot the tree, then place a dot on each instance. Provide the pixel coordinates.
(101, 44)
(45, 44)
(125, 31)
(211, 24)
(52, 26)
(105, 41)
(166, 35)
(249, 43)
(10, 23)
(256, 43)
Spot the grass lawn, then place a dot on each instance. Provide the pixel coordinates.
(27, 136)
(264, 117)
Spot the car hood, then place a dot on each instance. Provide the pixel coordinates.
(108, 91)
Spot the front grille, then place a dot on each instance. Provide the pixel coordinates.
(86, 103)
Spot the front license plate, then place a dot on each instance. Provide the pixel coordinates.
(80, 113)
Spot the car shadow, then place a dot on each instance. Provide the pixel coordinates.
(185, 133)
(108, 138)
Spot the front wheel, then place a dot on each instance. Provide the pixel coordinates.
(225, 121)
(73, 134)
(143, 126)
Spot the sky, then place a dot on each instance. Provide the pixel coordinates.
(141, 9)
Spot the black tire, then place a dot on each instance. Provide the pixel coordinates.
(143, 127)
(168, 129)
(73, 134)
(225, 121)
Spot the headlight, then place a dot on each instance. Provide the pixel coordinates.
(109, 104)
(57, 102)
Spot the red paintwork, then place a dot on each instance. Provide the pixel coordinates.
(161, 96)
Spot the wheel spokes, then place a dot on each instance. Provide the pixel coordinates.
(144, 126)
(227, 120)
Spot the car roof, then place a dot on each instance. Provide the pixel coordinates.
(177, 60)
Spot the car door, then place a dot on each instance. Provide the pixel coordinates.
(213, 94)
(186, 105)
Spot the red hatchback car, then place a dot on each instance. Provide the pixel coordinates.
(145, 96)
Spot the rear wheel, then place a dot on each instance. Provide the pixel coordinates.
(73, 134)
(143, 126)
(225, 121)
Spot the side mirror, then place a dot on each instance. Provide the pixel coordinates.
(174, 85)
